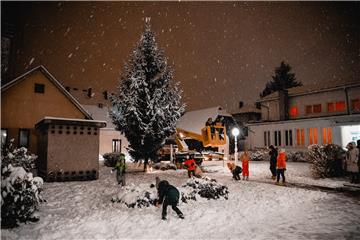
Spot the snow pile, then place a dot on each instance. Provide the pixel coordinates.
(144, 195)
(20, 196)
(137, 196)
(204, 187)
(326, 160)
(164, 166)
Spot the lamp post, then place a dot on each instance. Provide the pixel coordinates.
(235, 132)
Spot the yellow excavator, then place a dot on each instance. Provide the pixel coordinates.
(211, 136)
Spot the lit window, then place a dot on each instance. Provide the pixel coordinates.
(355, 104)
(39, 88)
(317, 108)
(293, 111)
(340, 106)
(24, 138)
(326, 135)
(4, 136)
(313, 136)
(116, 145)
(300, 137)
(331, 107)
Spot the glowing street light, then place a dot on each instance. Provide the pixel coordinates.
(235, 132)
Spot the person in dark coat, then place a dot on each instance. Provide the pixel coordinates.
(168, 195)
(235, 170)
(273, 156)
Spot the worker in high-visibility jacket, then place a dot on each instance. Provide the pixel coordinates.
(281, 166)
(190, 165)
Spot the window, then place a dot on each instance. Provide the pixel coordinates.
(288, 138)
(4, 136)
(300, 137)
(293, 111)
(39, 88)
(277, 138)
(313, 136)
(355, 104)
(331, 107)
(317, 108)
(116, 145)
(267, 138)
(340, 106)
(24, 138)
(308, 109)
(326, 135)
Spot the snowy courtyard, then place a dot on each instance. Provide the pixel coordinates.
(256, 209)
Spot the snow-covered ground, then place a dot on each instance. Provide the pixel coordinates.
(256, 209)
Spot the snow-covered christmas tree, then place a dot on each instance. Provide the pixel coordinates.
(148, 103)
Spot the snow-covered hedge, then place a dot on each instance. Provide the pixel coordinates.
(297, 156)
(20, 195)
(164, 166)
(110, 159)
(18, 157)
(326, 160)
(259, 155)
(194, 189)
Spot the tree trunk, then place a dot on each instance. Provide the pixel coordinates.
(145, 163)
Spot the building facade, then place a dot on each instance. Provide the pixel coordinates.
(299, 117)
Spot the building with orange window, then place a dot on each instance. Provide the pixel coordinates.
(301, 116)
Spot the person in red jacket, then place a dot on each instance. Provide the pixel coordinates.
(245, 165)
(281, 166)
(190, 165)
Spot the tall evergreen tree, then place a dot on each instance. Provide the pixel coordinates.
(283, 79)
(148, 104)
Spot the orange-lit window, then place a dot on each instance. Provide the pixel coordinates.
(329, 135)
(326, 135)
(308, 109)
(300, 137)
(331, 107)
(313, 136)
(355, 104)
(293, 111)
(340, 106)
(317, 108)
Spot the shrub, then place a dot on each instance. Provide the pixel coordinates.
(18, 157)
(297, 156)
(326, 160)
(259, 155)
(110, 159)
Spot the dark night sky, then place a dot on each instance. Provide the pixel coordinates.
(222, 52)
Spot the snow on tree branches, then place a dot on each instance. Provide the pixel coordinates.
(148, 104)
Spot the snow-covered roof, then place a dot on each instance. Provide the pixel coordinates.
(194, 121)
(52, 79)
(248, 109)
(69, 121)
(101, 114)
(309, 89)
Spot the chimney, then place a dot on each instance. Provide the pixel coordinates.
(283, 104)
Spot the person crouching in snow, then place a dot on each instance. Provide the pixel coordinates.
(168, 195)
(190, 165)
(245, 165)
(281, 166)
(120, 168)
(235, 170)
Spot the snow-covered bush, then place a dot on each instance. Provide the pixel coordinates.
(326, 160)
(194, 189)
(20, 196)
(297, 156)
(17, 157)
(110, 159)
(261, 154)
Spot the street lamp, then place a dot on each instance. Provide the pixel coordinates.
(235, 132)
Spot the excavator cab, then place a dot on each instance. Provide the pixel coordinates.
(214, 136)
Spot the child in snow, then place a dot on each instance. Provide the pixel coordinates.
(168, 195)
(235, 170)
(190, 165)
(273, 156)
(245, 165)
(281, 166)
(120, 168)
